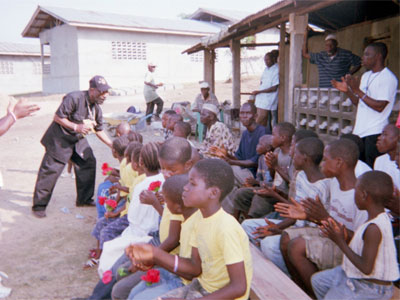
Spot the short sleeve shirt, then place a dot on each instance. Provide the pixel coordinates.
(60, 142)
(333, 68)
(248, 144)
(219, 248)
(269, 78)
(380, 86)
(149, 92)
(219, 135)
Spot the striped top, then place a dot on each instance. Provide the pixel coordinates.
(333, 68)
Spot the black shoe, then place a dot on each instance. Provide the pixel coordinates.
(39, 213)
(90, 203)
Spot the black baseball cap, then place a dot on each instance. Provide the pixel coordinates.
(99, 83)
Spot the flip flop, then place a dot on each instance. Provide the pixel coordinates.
(90, 263)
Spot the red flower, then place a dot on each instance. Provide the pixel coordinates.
(152, 276)
(110, 204)
(101, 200)
(155, 186)
(107, 277)
(106, 169)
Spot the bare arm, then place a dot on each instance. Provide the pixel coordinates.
(187, 268)
(21, 109)
(5, 123)
(268, 90)
(372, 238)
(354, 87)
(172, 241)
(104, 138)
(354, 69)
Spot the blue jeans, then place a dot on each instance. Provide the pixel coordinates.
(168, 282)
(270, 245)
(334, 284)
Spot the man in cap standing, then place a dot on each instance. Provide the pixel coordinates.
(150, 94)
(78, 115)
(333, 63)
(205, 96)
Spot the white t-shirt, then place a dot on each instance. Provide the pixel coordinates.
(343, 207)
(361, 168)
(379, 86)
(384, 164)
(306, 189)
(269, 78)
(149, 92)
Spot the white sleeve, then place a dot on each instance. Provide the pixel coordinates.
(275, 77)
(388, 90)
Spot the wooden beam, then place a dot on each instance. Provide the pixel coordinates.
(282, 90)
(235, 49)
(297, 28)
(258, 45)
(209, 68)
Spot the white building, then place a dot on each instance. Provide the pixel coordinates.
(86, 43)
(20, 68)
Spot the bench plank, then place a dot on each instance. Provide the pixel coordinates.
(269, 282)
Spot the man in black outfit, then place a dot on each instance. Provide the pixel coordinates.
(78, 115)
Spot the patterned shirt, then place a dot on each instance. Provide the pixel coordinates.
(219, 135)
(333, 68)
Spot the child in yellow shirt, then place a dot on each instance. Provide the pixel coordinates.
(220, 255)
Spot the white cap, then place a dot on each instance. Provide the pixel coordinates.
(204, 85)
(331, 37)
(211, 107)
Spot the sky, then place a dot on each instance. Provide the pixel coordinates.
(17, 13)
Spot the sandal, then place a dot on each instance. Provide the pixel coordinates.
(91, 263)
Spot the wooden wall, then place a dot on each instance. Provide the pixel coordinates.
(353, 38)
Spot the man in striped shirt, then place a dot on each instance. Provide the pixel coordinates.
(333, 63)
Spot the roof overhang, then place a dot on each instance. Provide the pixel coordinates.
(330, 15)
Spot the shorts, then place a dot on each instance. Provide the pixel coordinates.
(320, 250)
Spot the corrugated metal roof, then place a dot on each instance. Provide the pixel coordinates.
(47, 17)
(21, 49)
(229, 15)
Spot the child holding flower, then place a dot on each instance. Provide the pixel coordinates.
(118, 149)
(143, 219)
(109, 227)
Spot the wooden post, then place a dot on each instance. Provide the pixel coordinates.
(235, 49)
(209, 68)
(281, 93)
(297, 28)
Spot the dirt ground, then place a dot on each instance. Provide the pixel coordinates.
(44, 257)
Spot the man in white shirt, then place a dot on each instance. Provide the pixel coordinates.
(267, 94)
(150, 94)
(374, 97)
(387, 143)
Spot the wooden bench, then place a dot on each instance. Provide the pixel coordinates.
(269, 282)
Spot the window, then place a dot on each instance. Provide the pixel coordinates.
(6, 67)
(128, 50)
(197, 57)
(37, 68)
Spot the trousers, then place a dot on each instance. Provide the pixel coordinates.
(49, 171)
(150, 108)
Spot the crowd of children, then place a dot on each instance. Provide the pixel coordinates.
(314, 210)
